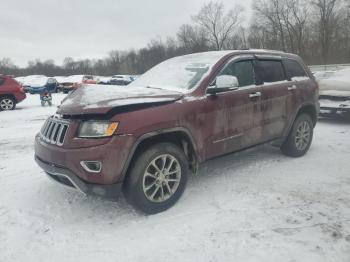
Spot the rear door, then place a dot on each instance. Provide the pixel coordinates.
(299, 84)
(275, 98)
(236, 114)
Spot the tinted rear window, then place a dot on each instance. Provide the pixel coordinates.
(294, 69)
(2, 80)
(270, 71)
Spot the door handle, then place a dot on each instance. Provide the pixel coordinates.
(291, 88)
(257, 94)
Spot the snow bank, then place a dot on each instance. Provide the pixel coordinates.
(38, 82)
(28, 80)
(73, 79)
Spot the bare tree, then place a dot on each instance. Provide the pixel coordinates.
(318, 30)
(218, 24)
(192, 38)
(295, 16)
(271, 13)
(327, 19)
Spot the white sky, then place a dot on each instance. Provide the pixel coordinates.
(54, 29)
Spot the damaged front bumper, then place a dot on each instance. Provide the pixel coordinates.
(68, 178)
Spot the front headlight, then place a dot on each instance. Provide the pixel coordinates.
(91, 129)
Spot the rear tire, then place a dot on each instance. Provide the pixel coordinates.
(157, 179)
(7, 103)
(300, 137)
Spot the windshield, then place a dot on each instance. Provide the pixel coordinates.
(179, 73)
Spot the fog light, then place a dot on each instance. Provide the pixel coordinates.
(91, 166)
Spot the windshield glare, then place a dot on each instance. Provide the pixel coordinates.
(179, 73)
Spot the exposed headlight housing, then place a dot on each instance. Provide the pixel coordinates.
(96, 129)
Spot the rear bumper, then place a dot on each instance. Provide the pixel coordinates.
(68, 178)
(20, 97)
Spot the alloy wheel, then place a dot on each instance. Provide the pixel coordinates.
(303, 135)
(6, 104)
(161, 178)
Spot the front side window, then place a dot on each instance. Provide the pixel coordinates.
(243, 70)
(270, 71)
(294, 70)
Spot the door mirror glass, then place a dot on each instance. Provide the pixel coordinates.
(224, 83)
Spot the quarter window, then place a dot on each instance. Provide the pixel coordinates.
(243, 70)
(294, 69)
(270, 71)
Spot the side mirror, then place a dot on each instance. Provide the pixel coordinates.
(224, 83)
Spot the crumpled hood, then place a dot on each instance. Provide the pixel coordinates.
(99, 99)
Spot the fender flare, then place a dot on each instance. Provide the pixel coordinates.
(286, 133)
(143, 137)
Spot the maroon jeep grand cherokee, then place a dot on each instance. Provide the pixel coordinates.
(144, 138)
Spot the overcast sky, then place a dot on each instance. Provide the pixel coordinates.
(56, 29)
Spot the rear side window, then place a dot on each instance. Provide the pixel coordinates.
(294, 69)
(2, 80)
(243, 70)
(270, 71)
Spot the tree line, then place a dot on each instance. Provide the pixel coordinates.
(317, 30)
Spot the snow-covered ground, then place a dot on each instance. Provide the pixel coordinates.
(257, 205)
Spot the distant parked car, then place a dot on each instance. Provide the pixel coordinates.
(26, 81)
(72, 82)
(11, 93)
(323, 74)
(104, 80)
(121, 80)
(335, 93)
(43, 85)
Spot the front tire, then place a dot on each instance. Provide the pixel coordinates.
(157, 179)
(300, 137)
(7, 103)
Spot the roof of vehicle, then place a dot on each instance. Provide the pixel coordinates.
(253, 52)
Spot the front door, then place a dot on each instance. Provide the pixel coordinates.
(235, 114)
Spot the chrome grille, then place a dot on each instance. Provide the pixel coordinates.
(54, 131)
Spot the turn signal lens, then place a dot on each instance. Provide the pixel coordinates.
(112, 127)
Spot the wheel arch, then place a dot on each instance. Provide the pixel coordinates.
(10, 96)
(309, 109)
(178, 136)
